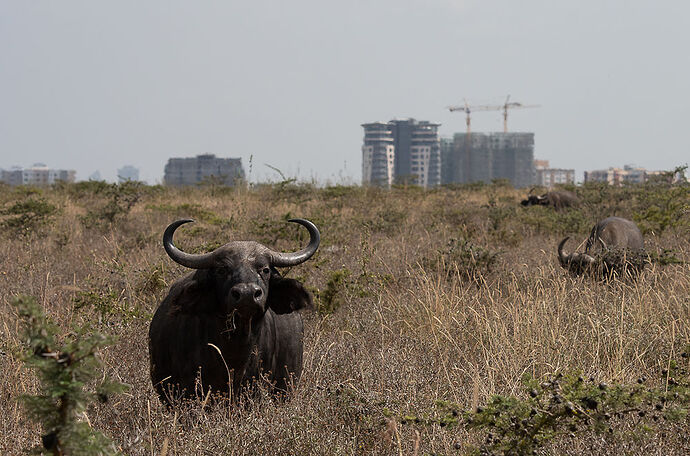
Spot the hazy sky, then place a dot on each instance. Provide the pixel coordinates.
(94, 85)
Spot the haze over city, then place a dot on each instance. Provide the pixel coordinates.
(92, 86)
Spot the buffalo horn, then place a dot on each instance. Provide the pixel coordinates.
(199, 261)
(295, 258)
(603, 244)
(562, 257)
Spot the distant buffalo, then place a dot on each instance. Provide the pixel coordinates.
(231, 321)
(558, 199)
(615, 244)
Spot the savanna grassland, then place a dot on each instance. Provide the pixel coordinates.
(425, 302)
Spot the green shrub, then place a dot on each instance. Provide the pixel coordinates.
(332, 296)
(107, 303)
(268, 230)
(464, 259)
(119, 200)
(566, 406)
(387, 221)
(663, 207)
(64, 368)
(27, 216)
(189, 210)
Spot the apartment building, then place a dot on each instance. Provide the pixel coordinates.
(39, 175)
(549, 177)
(194, 170)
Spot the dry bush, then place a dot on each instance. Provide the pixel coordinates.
(399, 333)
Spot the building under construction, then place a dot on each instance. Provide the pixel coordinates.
(483, 157)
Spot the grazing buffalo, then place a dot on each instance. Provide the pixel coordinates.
(231, 321)
(559, 199)
(616, 241)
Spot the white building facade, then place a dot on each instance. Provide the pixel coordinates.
(38, 175)
(550, 177)
(402, 151)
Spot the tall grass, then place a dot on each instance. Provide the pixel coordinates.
(404, 326)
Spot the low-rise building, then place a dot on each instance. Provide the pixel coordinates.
(549, 177)
(617, 176)
(39, 175)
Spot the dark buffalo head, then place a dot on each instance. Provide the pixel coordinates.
(242, 274)
(576, 263)
(615, 247)
(534, 200)
(558, 199)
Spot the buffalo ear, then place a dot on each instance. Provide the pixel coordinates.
(287, 295)
(186, 295)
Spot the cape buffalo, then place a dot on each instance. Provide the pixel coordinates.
(616, 241)
(559, 199)
(231, 321)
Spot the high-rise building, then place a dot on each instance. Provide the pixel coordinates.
(127, 173)
(404, 151)
(378, 154)
(548, 177)
(483, 157)
(39, 175)
(447, 167)
(194, 170)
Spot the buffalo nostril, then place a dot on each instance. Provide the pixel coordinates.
(235, 294)
(258, 293)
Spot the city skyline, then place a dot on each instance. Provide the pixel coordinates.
(558, 175)
(290, 84)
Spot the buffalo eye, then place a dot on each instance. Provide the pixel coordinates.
(266, 270)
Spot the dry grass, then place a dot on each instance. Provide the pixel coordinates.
(408, 328)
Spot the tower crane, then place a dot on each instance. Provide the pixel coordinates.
(510, 105)
(467, 109)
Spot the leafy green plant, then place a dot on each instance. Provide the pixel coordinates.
(107, 303)
(120, 198)
(340, 191)
(663, 207)
(216, 185)
(566, 406)
(83, 188)
(64, 368)
(152, 281)
(386, 221)
(27, 216)
(193, 210)
(268, 230)
(665, 257)
(463, 258)
(545, 220)
(332, 296)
